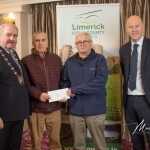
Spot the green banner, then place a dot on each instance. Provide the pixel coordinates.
(90, 146)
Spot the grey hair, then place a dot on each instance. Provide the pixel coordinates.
(2, 26)
(38, 32)
(84, 33)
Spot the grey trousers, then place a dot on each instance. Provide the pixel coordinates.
(95, 125)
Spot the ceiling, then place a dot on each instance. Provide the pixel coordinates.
(17, 5)
(25, 1)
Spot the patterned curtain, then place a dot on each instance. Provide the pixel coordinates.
(134, 7)
(44, 16)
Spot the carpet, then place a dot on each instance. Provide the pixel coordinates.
(26, 140)
(45, 145)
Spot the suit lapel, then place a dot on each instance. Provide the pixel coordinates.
(143, 55)
(128, 56)
(144, 52)
(11, 60)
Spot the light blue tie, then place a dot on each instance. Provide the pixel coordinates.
(133, 68)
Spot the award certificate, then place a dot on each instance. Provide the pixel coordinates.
(57, 95)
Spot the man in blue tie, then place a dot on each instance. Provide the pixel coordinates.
(135, 66)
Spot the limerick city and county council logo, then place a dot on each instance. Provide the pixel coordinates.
(88, 17)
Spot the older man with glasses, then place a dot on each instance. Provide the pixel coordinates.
(85, 74)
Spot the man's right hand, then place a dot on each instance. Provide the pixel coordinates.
(70, 93)
(1, 123)
(44, 97)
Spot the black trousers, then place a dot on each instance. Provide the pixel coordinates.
(11, 135)
(137, 116)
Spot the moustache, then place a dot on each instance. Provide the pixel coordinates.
(12, 42)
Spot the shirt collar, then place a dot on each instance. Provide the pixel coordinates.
(5, 49)
(140, 42)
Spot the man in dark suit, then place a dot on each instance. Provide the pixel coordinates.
(135, 65)
(14, 99)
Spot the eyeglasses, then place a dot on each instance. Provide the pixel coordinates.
(84, 42)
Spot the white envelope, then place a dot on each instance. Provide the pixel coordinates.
(57, 95)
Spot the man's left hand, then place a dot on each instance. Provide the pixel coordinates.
(63, 100)
(1, 123)
(70, 93)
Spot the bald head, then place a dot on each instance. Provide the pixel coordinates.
(134, 19)
(135, 28)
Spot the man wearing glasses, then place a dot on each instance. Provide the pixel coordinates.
(85, 74)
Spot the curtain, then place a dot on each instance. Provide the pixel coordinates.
(134, 7)
(44, 17)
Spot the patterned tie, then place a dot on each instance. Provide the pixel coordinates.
(13, 57)
(133, 68)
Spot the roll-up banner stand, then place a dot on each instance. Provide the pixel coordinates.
(102, 21)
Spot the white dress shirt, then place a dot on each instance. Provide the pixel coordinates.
(139, 86)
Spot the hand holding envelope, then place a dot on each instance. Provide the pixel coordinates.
(44, 97)
(58, 95)
(70, 93)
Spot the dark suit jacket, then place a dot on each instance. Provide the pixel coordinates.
(14, 98)
(125, 54)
